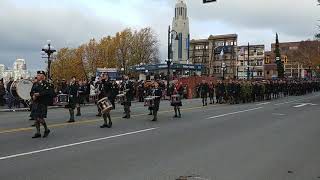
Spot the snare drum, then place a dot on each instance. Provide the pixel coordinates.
(149, 101)
(121, 98)
(62, 99)
(104, 105)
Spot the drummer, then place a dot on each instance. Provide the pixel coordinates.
(157, 91)
(105, 91)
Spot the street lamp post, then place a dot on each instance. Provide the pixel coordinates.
(248, 62)
(48, 50)
(169, 60)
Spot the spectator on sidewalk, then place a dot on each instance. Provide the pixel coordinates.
(2, 92)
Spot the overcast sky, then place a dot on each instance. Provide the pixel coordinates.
(27, 24)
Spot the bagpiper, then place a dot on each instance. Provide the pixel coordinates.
(41, 98)
(176, 102)
(72, 91)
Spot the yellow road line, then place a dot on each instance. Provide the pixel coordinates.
(90, 121)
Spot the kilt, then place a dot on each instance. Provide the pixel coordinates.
(39, 111)
(177, 104)
(156, 104)
(72, 103)
(127, 103)
(81, 99)
(204, 95)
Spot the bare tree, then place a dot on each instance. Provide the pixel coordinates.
(308, 54)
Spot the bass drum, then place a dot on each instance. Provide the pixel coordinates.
(21, 89)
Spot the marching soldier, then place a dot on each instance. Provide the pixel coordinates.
(114, 93)
(106, 91)
(127, 86)
(80, 96)
(40, 96)
(177, 104)
(157, 91)
(204, 89)
(72, 91)
(211, 92)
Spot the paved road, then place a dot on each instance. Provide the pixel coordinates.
(268, 140)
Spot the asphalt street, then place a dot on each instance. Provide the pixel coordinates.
(272, 140)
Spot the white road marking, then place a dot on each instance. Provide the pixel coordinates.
(263, 103)
(304, 104)
(237, 112)
(288, 102)
(278, 114)
(75, 144)
(297, 100)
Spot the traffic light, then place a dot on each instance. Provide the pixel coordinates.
(209, 1)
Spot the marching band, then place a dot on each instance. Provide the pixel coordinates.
(106, 92)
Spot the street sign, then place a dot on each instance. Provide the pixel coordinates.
(209, 1)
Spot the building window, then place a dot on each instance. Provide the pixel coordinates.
(180, 46)
(175, 12)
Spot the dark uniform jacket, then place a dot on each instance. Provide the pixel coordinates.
(73, 94)
(157, 92)
(45, 91)
(204, 89)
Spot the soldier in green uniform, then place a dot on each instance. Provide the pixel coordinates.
(41, 98)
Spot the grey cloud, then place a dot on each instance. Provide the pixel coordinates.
(24, 31)
(292, 17)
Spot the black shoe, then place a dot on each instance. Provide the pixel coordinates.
(99, 115)
(46, 133)
(109, 125)
(71, 121)
(154, 120)
(125, 117)
(37, 135)
(175, 116)
(104, 126)
(33, 125)
(78, 114)
(150, 114)
(31, 119)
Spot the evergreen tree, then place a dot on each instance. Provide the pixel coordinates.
(280, 68)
